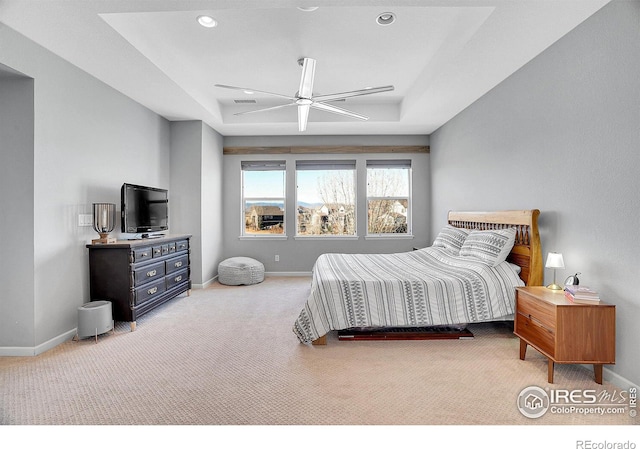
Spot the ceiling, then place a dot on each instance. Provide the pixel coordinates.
(440, 55)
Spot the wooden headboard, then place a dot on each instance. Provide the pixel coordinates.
(526, 251)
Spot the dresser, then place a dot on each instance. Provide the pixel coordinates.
(565, 331)
(139, 275)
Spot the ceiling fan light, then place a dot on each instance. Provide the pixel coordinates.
(307, 8)
(207, 21)
(386, 18)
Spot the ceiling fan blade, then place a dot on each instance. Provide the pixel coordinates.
(265, 109)
(248, 89)
(335, 110)
(306, 80)
(303, 117)
(353, 93)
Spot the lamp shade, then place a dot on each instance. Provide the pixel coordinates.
(554, 260)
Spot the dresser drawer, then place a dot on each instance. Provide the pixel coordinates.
(149, 273)
(142, 254)
(149, 291)
(177, 263)
(182, 245)
(540, 311)
(157, 251)
(177, 278)
(535, 333)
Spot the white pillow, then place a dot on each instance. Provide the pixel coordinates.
(491, 246)
(451, 238)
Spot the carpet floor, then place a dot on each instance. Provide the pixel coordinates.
(227, 356)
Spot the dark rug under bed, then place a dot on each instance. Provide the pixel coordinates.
(405, 333)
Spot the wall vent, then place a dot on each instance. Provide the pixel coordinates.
(244, 101)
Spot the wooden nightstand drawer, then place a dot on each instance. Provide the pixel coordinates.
(535, 333)
(541, 312)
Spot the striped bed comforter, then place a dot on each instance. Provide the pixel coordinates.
(426, 287)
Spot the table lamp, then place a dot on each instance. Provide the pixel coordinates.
(555, 261)
(104, 220)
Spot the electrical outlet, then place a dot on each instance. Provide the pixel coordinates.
(277, 258)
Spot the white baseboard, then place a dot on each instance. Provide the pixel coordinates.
(26, 351)
(288, 273)
(206, 284)
(617, 380)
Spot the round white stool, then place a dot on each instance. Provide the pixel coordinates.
(240, 271)
(94, 318)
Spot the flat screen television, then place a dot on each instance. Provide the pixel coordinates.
(144, 209)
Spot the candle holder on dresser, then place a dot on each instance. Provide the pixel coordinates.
(104, 221)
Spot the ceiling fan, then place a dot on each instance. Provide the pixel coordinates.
(305, 100)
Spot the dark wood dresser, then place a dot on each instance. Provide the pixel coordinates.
(139, 275)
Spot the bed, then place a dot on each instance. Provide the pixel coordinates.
(468, 275)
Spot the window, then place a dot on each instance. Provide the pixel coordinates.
(326, 198)
(389, 197)
(263, 197)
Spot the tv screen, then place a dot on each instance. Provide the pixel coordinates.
(144, 209)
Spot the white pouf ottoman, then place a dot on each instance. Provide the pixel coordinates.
(240, 271)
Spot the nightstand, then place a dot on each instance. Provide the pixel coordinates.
(564, 331)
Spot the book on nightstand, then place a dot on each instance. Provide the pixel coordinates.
(581, 293)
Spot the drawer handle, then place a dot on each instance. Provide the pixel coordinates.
(145, 254)
(151, 273)
(537, 321)
(178, 264)
(178, 279)
(153, 290)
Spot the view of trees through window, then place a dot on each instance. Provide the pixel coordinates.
(326, 202)
(388, 194)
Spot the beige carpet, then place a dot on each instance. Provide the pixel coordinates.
(227, 355)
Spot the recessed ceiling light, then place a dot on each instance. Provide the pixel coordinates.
(207, 21)
(386, 18)
(307, 8)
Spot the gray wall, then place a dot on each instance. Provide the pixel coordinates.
(68, 140)
(562, 135)
(196, 195)
(87, 140)
(16, 201)
(212, 203)
(185, 199)
(298, 256)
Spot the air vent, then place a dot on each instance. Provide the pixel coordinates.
(244, 101)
